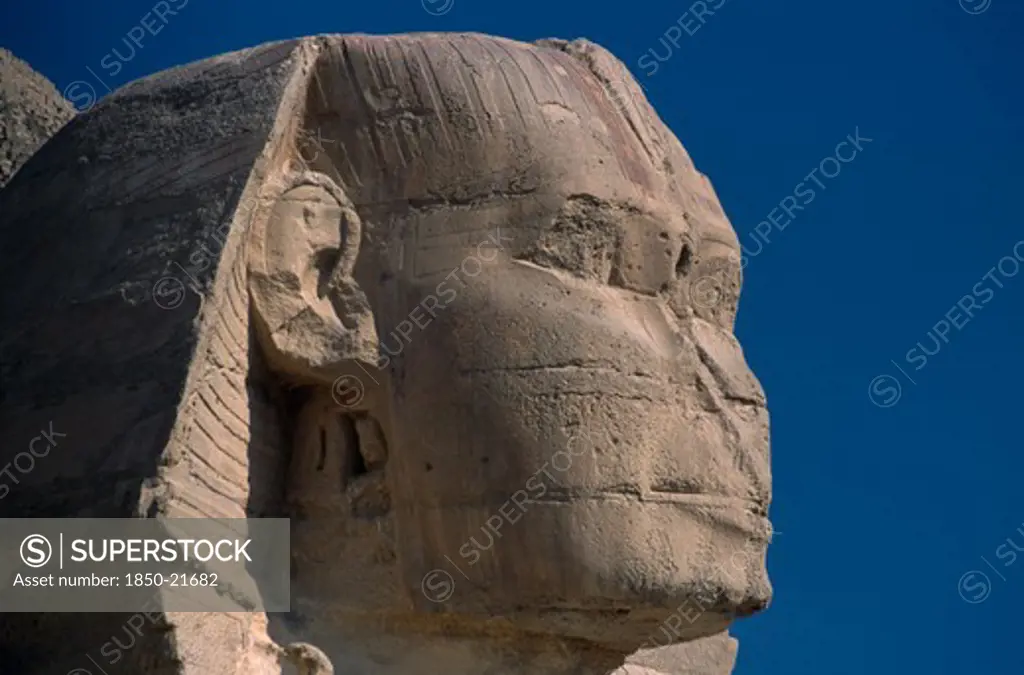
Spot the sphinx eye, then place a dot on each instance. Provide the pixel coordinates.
(585, 248)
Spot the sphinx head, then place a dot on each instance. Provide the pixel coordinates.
(508, 297)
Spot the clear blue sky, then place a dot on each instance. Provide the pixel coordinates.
(882, 510)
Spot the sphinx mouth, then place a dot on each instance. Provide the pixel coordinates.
(743, 515)
(627, 493)
(655, 495)
(710, 500)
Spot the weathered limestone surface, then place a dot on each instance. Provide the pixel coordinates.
(712, 655)
(31, 110)
(442, 300)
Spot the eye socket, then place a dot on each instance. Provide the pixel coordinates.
(583, 240)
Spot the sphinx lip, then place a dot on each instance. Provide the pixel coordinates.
(626, 493)
(562, 495)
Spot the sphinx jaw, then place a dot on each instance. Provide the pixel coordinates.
(615, 630)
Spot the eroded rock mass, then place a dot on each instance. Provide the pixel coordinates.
(459, 307)
(31, 111)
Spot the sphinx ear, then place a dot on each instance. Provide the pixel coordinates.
(311, 318)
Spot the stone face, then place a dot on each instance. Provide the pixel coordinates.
(460, 306)
(31, 111)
